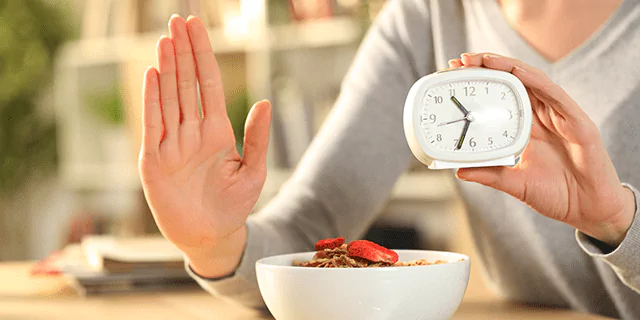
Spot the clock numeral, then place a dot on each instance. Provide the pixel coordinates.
(486, 89)
(469, 91)
(439, 137)
(430, 118)
(455, 142)
(504, 96)
(490, 140)
(438, 99)
(505, 134)
(510, 114)
(472, 143)
(452, 92)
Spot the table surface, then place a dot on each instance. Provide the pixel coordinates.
(51, 297)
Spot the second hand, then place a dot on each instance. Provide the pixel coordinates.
(450, 122)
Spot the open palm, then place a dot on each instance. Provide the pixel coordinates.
(199, 189)
(565, 173)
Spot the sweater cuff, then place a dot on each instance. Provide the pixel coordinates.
(240, 286)
(626, 257)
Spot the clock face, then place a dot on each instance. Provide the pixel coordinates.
(493, 119)
(465, 118)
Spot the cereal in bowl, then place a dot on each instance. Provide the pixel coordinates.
(334, 253)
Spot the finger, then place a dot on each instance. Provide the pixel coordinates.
(256, 137)
(151, 112)
(208, 70)
(470, 59)
(505, 179)
(541, 121)
(168, 87)
(553, 95)
(186, 69)
(498, 62)
(455, 63)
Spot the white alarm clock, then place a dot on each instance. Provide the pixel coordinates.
(464, 118)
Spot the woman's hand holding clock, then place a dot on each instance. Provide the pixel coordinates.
(565, 172)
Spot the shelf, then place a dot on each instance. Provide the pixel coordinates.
(99, 177)
(419, 186)
(422, 200)
(320, 33)
(92, 52)
(432, 186)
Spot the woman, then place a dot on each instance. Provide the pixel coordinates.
(558, 229)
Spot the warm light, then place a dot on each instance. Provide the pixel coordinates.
(235, 25)
(251, 9)
(492, 115)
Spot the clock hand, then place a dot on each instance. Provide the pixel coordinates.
(460, 106)
(471, 116)
(464, 134)
(450, 122)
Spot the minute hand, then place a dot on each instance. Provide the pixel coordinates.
(460, 106)
(463, 135)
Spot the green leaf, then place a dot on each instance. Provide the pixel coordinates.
(27, 142)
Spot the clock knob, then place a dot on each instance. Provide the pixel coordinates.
(471, 116)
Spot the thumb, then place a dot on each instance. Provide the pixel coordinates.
(256, 135)
(505, 179)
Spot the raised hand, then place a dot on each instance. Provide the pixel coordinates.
(565, 173)
(198, 187)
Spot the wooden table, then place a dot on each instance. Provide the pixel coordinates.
(50, 297)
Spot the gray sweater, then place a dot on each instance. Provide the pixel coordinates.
(349, 170)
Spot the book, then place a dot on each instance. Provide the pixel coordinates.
(126, 255)
(148, 272)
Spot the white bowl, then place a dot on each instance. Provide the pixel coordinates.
(407, 293)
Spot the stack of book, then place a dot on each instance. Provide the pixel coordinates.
(105, 264)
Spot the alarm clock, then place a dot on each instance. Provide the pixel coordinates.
(469, 117)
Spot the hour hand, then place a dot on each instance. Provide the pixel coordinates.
(460, 106)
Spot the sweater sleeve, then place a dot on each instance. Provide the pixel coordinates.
(350, 168)
(625, 259)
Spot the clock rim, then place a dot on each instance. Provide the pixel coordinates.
(419, 145)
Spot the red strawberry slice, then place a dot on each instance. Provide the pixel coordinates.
(331, 243)
(371, 251)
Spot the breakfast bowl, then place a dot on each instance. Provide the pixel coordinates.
(380, 293)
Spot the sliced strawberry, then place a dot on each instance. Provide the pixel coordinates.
(329, 243)
(371, 251)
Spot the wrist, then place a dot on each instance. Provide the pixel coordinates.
(220, 260)
(614, 231)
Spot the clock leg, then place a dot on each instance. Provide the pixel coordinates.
(441, 165)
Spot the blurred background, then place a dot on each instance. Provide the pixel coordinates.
(70, 88)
